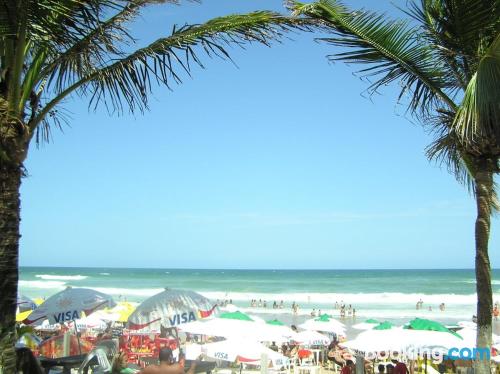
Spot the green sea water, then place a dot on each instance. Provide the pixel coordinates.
(373, 293)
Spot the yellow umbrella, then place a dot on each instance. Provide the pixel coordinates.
(38, 301)
(22, 316)
(125, 312)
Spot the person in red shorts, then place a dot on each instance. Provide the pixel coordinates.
(349, 368)
(399, 367)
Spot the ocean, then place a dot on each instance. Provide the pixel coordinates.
(382, 294)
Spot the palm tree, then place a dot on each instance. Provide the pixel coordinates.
(446, 58)
(51, 49)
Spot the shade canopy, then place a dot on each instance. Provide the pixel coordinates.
(24, 303)
(384, 326)
(236, 315)
(275, 322)
(236, 328)
(170, 308)
(242, 351)
(309, 337)
(366, 325)
(428, 325)
(324, 323)
(68, 305)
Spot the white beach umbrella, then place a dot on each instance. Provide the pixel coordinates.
(402, 340)
(227, 325)
(324, 323)
(87, 323)
(243, 351)
(24, 303)
(309, 337)
(239, 329)
(469, 337)
(68, 305)
(47, 326)
(366, 325)
(170, 308)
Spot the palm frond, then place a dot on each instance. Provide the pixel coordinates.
(477, 122)
(445, 150)
(390, 48)
(127, 82)
(459, 30)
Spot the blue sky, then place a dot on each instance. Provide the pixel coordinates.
(280, 162)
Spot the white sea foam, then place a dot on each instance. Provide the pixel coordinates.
(473, 281)
(384, 312)
(61, 277)
(141, 292)
(104, 274)
(387, 298)
(42, 284)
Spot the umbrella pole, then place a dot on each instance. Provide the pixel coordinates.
(425, 357)
(178, 340)
(77, 338)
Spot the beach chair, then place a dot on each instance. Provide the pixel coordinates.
(333, 366)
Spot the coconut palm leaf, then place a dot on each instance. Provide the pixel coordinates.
(389, 48)
(126, 83)
(478, 117)
(458, 30)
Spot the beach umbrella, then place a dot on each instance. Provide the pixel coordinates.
(227, 325)
(170, 308)
(309, 337)
(239, 326)
(24, 303)
(28, 340)
(275, 322)
(68, 305)
(421, 324)
(20, 317)
(366, 325)
(385, 340)
(384, 326)
(87, 323)
(47, 326)
(119, 313)
(468, 335)
(243, 351)
(257, 318)
(324, 323)
(236, 315)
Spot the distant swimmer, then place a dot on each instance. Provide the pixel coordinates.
(313, 313)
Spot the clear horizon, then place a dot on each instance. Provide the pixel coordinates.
(279, 161)
(250, 269)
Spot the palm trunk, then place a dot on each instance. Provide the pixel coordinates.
(10, 182)
(484, 189)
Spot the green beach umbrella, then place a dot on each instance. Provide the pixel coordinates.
(428, 325)
(384, 326)
(367, 325)
(236, 315)
(323, 318)
(275, 322)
